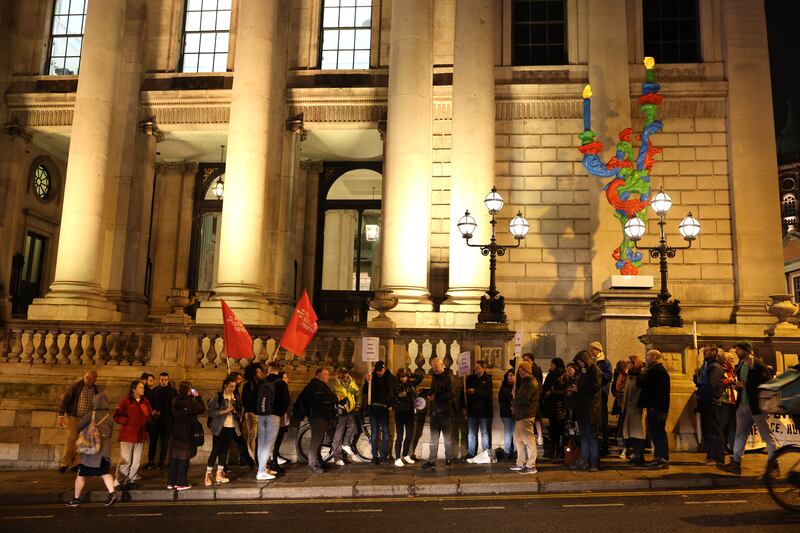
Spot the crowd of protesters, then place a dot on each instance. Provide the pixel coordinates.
(253, 413)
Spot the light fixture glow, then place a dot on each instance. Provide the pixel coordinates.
(661, 203)
(518, 226)
(467, 225)
(634, 228)
(372, 232)
(218, 188)
(689, 227)
(494, 202)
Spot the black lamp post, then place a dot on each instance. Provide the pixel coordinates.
(663, 311)
(493, 304)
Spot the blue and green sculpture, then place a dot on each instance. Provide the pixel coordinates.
(628, 191)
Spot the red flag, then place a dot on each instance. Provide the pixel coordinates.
(301, 328)
(238, 343)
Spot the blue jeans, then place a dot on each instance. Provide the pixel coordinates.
(379, 418)
(268, 427)
(472, 434)
(590, 444)
(657, 431)
(508, 435)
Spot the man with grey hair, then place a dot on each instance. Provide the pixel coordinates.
(441, 401)
(654, 383)
(75, 403)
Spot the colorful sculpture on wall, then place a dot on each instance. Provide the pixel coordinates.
(628, 191)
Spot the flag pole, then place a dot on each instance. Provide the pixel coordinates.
(369, 386)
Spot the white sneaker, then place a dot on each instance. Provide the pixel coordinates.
(399, 462)
(348, 450)
(517, 468)
(622, 454)
(339, 462)
(540, 441)
(281, 461)
(263, 476)
(408, 459)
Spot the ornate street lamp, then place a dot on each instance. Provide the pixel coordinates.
(218, 188)
(493, 304)
(663, 311)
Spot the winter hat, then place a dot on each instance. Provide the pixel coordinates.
(380, 365)
(744, 345)
(597, 345)
(525, 365)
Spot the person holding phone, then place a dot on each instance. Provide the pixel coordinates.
(223, 421)
(186, 405)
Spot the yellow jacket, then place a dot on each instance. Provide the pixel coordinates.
(351, 391)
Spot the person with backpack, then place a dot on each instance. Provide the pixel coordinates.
(751, 372)
(223, 422)
(187, 434)
(280, 408)
(96, 464)
(133, 415)
(708, 379)
(75, 403)
(269, 423)
(348, 403)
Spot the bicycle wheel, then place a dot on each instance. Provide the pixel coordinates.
(303, 444)
(783, 477)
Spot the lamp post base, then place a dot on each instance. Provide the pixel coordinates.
(492, 310)
(665, 313)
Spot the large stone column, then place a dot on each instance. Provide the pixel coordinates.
(611, 113)
(240, 278)
(473, 152)
(755, 211)
(408, 159)
(76, 293)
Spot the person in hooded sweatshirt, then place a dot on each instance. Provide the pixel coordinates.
(98, 464)
(586, 392)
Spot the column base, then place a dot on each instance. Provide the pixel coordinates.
(256, 312)
(62, 306)
(752, 312)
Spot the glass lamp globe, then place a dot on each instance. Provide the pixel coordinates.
(518, 226)
(634, 229)
(467, 225)
(494, 202)
(218, 188)
(372, 232)
(689, 227)
(661, 203)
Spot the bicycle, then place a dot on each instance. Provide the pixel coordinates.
(362, 446)
(782, 477)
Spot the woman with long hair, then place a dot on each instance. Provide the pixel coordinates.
(504, 397)
(96, 464)
(223, 416)
(405, 394)
(132, 414)
(186, 405)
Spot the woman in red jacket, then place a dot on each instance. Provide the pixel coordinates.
(132, 414)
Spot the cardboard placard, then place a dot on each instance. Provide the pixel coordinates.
(518, 344)
(370, 349)
(463, 363)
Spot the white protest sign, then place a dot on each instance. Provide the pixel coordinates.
(782, 426)
(370, 349)
(518, 344)
(463, 363)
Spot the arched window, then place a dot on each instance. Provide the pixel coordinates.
(66, 37)
(206, 36)
(789, 206)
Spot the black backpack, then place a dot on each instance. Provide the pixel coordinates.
(266, 398)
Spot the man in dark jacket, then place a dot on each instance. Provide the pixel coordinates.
(601, 361)
(655, 383)
(271, 404)
(479, 408)
(160, 426)
(383, 392)
(587, 393)
(751, 372)
(319, 403)
(75, 403)
(708, 379)
(441, 401)
(525, 409)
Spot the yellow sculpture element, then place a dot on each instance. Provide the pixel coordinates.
(587, 91)
(649, 63)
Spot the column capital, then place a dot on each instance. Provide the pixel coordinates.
(382, 128)
(296, 125)
(13, 129)
(149, 127)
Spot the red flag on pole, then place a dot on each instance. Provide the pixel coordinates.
(238, 344)
(301, 328)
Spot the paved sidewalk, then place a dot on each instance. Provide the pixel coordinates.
(365, 480)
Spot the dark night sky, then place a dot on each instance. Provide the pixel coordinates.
(783, 27)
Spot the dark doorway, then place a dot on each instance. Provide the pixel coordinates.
(28, 273)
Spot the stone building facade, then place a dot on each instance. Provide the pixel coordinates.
(322, 122)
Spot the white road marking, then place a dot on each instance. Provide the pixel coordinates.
(29, 517)
(243, 512)
(593, 505)
(354, 510)
(496, 508)
(709, 502)
(136, 514)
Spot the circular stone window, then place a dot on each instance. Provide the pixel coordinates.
(41, 182)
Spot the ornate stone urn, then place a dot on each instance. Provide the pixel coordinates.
(782, 308)
(179, 300)
(382, 302)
